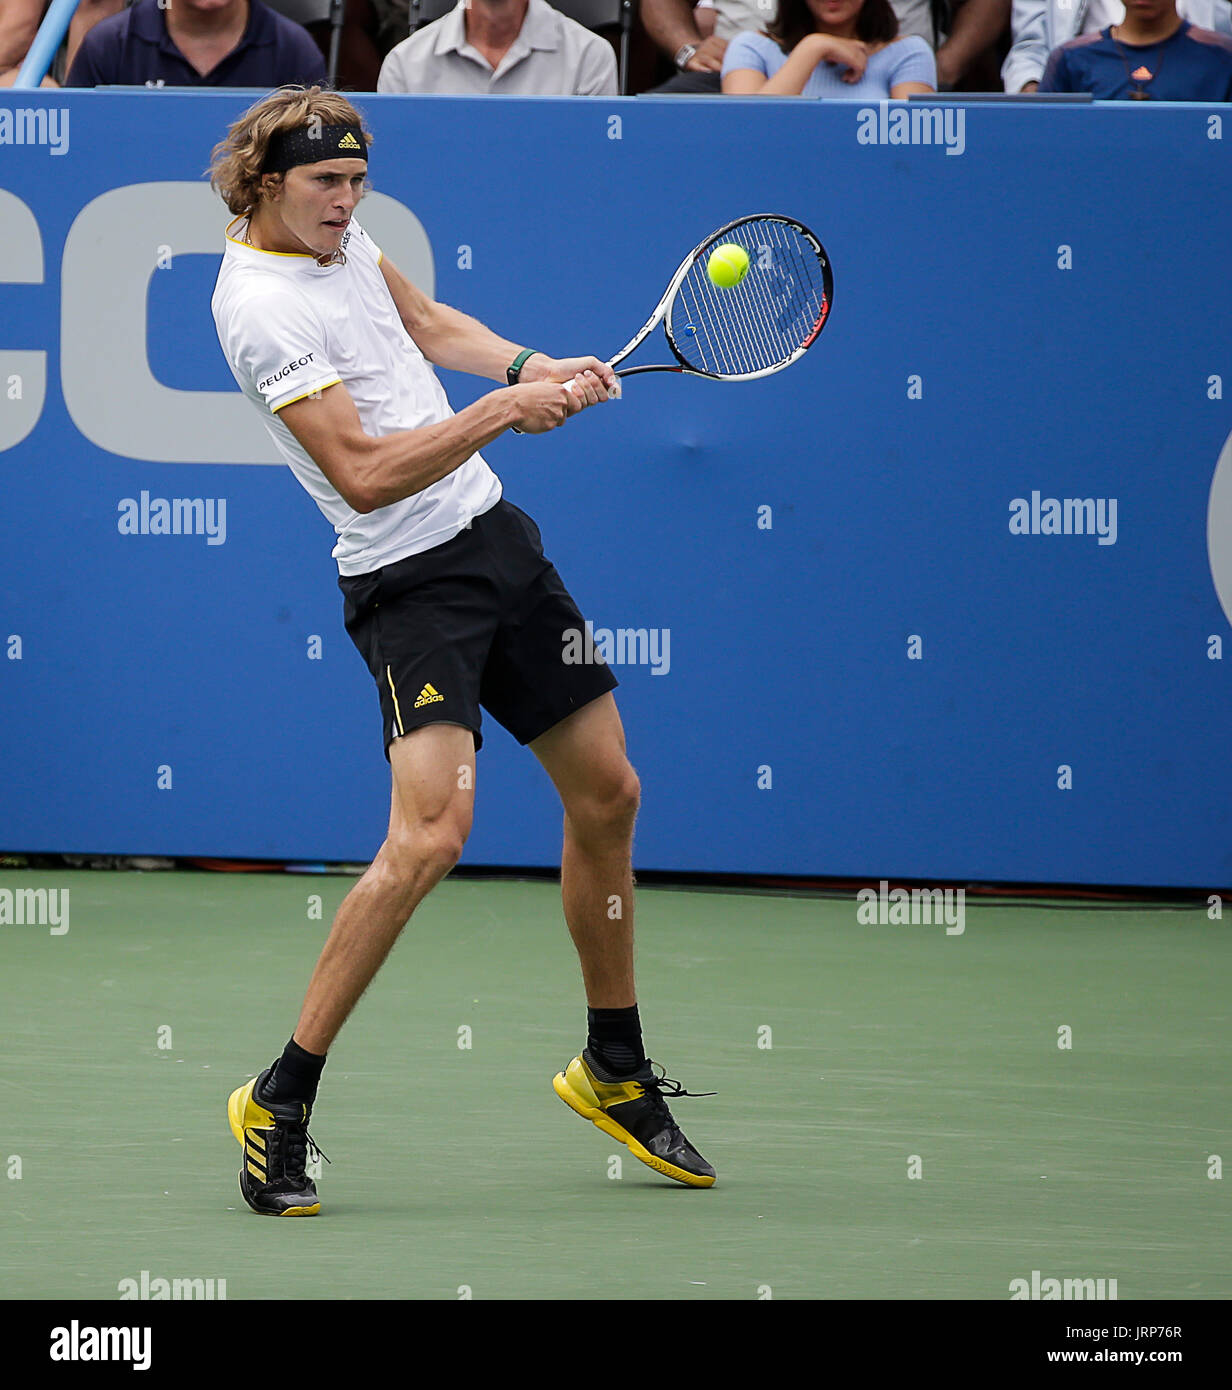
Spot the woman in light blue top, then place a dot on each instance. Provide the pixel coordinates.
(830, 48)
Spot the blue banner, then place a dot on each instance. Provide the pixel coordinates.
(946, 600)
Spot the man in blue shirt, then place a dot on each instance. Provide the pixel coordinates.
(1154, 56)
(197, 43)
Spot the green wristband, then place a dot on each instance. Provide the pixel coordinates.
(514, 371)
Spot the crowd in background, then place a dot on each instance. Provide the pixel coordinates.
(1163, 50)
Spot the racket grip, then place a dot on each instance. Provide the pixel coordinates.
(568, 385)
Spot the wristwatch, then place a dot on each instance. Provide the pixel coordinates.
(514, 371)
(684, 55)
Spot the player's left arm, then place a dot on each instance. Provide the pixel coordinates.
(452, 339)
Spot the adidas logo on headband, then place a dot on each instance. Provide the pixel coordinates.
(309, 145)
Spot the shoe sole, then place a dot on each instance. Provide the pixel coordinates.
(238, 1104)
(599, 1118)
(313, 1210)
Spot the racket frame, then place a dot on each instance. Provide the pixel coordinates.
(663, 309)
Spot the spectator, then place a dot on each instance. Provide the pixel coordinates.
(507, 47)
(393, 19)
(19, 22)
(830, 48)
(704, 16)
(969, 49)
(359, 59)
(696, 38)
(308, 13)
(1040, 26)
(1154, 56)
(197, 43)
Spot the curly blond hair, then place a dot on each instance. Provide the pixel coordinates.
(235, 163)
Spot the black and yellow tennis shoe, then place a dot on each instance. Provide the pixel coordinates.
(275, 1139)
(632, 1110)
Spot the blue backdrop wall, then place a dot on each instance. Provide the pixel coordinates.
(863, 652)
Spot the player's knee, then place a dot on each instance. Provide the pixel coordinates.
(609, 806)
(628, 793)
(443, 841)
(435, 844)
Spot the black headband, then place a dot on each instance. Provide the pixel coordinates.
(309, 145)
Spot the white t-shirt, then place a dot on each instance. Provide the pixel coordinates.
(290, 326)
(1102, 13)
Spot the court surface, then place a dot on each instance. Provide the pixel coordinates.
(457, 1169)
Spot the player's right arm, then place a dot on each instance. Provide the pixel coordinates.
(273, 338)
(369, 472)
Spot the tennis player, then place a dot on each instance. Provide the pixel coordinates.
(448, 597)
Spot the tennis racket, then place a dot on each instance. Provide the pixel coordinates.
(759, 326)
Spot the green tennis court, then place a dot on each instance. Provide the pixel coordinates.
(845, 1057)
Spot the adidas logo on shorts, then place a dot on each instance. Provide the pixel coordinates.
(428, 696)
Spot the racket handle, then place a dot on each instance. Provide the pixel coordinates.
(568, 385)
(637, 371)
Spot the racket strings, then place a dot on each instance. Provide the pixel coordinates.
(769, 317)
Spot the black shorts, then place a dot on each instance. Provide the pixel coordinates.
(482, 620)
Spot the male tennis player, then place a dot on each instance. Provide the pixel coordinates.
(448, 597)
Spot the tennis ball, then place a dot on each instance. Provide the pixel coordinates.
(728, 265)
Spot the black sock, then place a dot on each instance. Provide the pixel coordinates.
(615, 1040)
(295, 1076)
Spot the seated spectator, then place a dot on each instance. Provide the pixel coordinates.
(830, 48)
(1154, 56)
(197, 43)
(969, 55)
(308, 13)
(1040, 26)
(393, 20)
(695, 37)
(508, 47)
(359, 59)
(704, 16)
(19, 22)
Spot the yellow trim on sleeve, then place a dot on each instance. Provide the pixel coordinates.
(337, 381)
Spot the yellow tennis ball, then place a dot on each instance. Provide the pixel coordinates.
(728, 265)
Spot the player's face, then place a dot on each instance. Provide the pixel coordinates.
(832, 15)
(318, 199)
